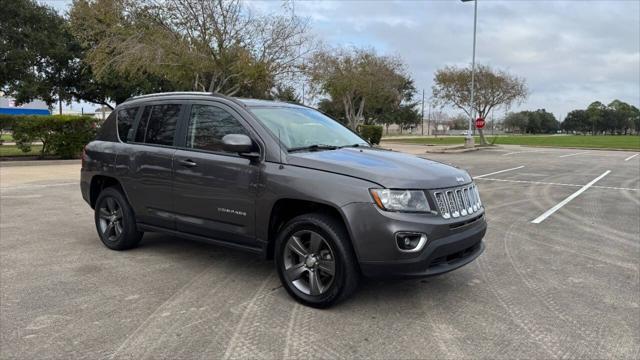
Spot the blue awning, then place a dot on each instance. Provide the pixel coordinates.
(22, 111)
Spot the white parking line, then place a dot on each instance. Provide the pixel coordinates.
(557, 184)
(580, 153)
(631, 157)
(520, 152)
(37, 186)
(564, 202)
(498, 172)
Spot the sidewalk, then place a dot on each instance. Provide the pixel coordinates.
(418, 149)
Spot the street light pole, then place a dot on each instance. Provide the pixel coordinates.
(468, 141)
(422, 115)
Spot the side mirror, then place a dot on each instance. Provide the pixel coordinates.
(239, 143)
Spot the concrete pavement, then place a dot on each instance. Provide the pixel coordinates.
(566, 287)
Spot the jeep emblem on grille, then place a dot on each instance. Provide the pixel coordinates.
(460, 179)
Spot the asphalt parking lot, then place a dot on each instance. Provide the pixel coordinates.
(557, 280)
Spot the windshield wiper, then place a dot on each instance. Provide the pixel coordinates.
(314, 147)
(354, 145)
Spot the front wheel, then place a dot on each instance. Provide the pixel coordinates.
(115, 221)
(315, 261)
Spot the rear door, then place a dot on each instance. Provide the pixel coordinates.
(214, 191)
(150, 164)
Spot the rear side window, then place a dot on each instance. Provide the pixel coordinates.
(208, 125)
(158, 124)
(125, 120)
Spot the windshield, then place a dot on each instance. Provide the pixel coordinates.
(301, 128)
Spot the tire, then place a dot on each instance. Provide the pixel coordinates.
(115, 222)
(305, 268)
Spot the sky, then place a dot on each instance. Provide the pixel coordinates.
(570, 53)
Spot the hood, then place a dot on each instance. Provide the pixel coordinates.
(388, 168)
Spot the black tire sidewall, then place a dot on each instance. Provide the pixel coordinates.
(319, 226)
(129, 237)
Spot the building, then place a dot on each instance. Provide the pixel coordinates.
(37, 107)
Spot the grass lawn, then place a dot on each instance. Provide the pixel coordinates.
(12, 150)
(6, 137)
(586, 141)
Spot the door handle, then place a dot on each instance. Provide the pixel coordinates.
(188, 163)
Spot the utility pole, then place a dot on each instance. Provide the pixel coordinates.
(429, 121)
(422, 115)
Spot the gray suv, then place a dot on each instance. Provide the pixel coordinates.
(283, 181)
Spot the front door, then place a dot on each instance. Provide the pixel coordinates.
(214, 191)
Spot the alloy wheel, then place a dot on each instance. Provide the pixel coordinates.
(111, 222)
(309, 262)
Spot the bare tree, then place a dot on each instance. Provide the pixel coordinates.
(210, 45)
(494, 88)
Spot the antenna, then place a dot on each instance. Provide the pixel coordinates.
(280, 143)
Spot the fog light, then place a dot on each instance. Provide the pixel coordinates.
(410, 241)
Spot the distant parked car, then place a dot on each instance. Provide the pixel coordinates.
(283, 181)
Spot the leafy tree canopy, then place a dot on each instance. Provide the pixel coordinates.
(364, 84)
(493, 88)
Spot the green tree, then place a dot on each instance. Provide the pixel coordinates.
(493, 88)
(39, 54)
(364, 83)
(578, 121)
(516, 122)
(333, 109)
(625, 116)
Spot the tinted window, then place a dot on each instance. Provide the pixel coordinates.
(126, 117)
(158, 124)
(208, 125)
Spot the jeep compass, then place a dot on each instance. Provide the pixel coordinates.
(283, 181)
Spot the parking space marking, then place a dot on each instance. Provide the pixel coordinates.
(37, 186)
(564, 202)
(558, 184)
(498, 172)
(526, 151)
(631, 157)
(574, 154)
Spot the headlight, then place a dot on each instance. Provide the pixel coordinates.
(400, 200)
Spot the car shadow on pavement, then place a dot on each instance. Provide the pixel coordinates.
(388, 291)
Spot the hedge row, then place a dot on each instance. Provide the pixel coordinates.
(61, 135)
(371, 133)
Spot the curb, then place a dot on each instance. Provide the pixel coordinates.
(580, 148)
(12, 163)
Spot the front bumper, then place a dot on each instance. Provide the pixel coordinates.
(451, 244)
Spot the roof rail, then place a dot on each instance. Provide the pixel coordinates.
(198, 93)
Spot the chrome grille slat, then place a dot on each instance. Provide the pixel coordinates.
(458, 201)
(451, 201)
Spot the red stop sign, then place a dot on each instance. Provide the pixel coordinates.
(479, 123)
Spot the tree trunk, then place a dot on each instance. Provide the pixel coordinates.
(483, 141)
(349, 112)
(60, 104)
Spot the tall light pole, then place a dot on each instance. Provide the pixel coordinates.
(468, 141)
(422, 115)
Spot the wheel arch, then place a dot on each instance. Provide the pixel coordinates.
(286, 209)
(101, 182)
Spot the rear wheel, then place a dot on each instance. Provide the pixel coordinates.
(115, 221)
(315, 262)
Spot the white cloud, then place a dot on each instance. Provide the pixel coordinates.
(570, 52)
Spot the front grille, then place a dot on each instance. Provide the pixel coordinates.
(459, 201)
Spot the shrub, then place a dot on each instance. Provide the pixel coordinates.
(371, 133)
(61, 135)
